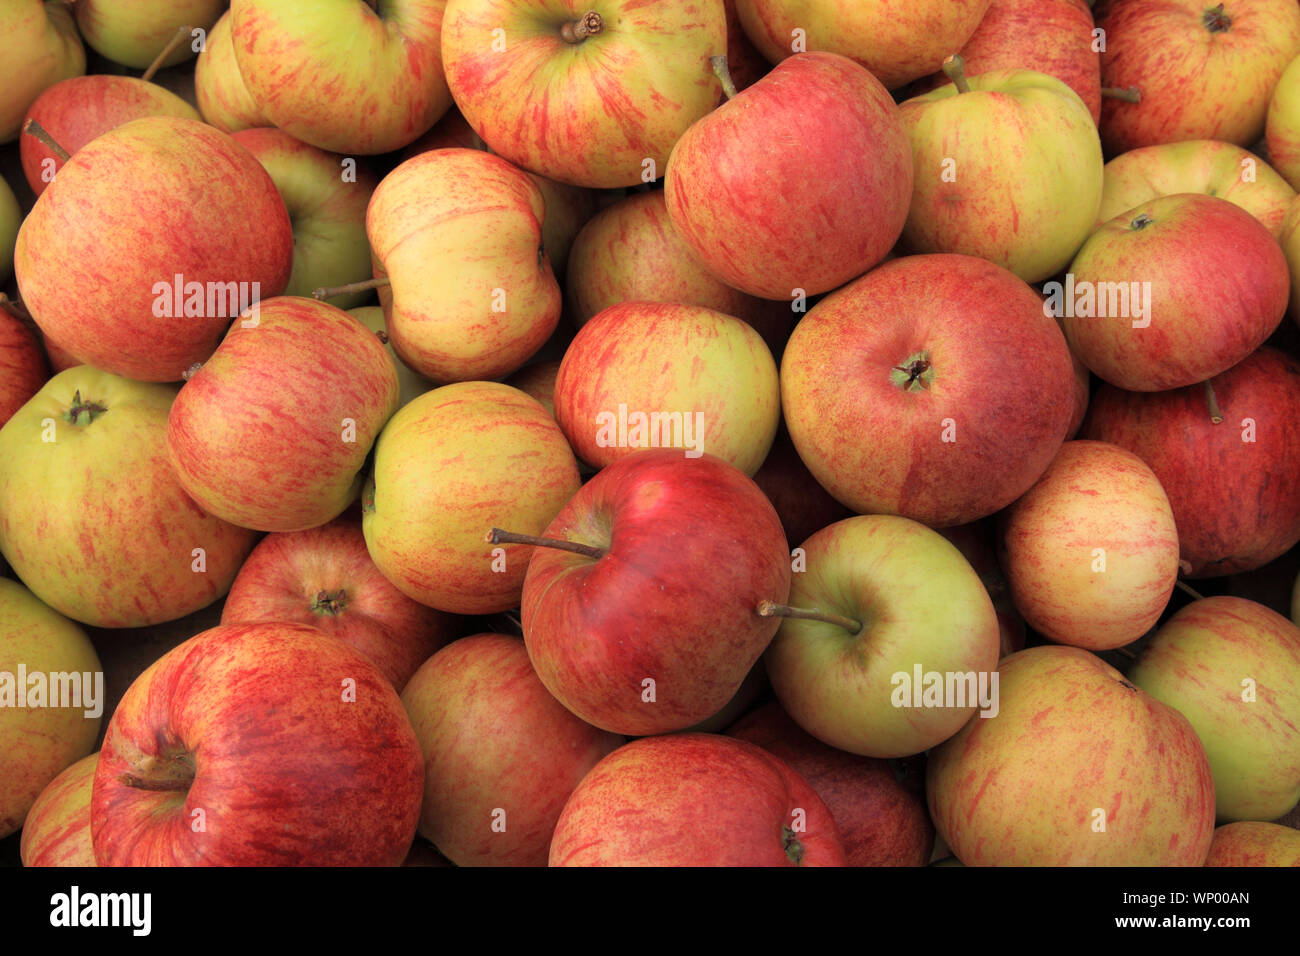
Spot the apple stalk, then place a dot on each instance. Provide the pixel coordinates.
(772, 609)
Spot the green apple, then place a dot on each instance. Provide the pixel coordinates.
(219, 87)
(11, 217)
(134, 32)
(41, 47)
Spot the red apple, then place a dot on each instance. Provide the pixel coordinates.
(804, 506)
(22, 365)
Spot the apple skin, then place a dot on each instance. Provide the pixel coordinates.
(694, 800)
(42, 47)
(1201, 321)
(692, 547)
(714, 367)
(1289, 239)
(1254, 844)
(324, 577)
(591, 112)
(135, 184)
(800, 182)
(1198, 78)
(1093, 496)
(1027, 177)
(11, 218)
(746, 65)
(57, 831)
(999, 381)
(1236, 503)
(450, 466)
(116, 535)
(134, 32)
(76, 110)
(296, 749)
(919, 602)
(881, 821)
(1282, 124)
(1196, 166)
(410, 383)
(219, 88)
(391, 91)
(1199, 662)
(22, 366)
(1072, 737)
(494, 740)
(897, 40)
(37, 743)
(538, 382)
(804, 506)
(976, 543)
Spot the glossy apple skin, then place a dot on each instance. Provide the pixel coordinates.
(450, 466)
(132, 183)
(1201, 322)
(237, 436)
(43, 47)
(495, 740)
(694, 800)
(800, 182)
(1002, 387)
(882, 821)
(283, 580)
(693, 546)
(57, 831)
(1236, 503)
(1196, 166)
(123, 554)
(1072, 737)
(1196, 83)
(391, 91)
(656, 357)
(1094, 495)
(219, 87)
(251, 723)
(1254, 844)
(897, 40)
(134, 32)
(37, 743)
(22, 366)
(1199, 662)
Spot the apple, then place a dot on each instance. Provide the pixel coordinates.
(410, 384)
(695, 800)
(798, 184)
(501, 755)
(458, 234)
(238, 435)
(1142, 311)
(1232, 667)
(264, 744)
(93, 519)
(538, 382)
(42, 47)
(219, 87)
(640, 613)
(976, 542)
(1091, 551)
(1254, 844)
(949, 364)
(1080, 767)
(391, 90)
(134, 32)
(11, 217)
(897, 40)
(324, 577)
(57, 831)
(1201, 70)
(804, 506)
(716, 390)
(1007, 166)
(22, 366)
(1196, 166)
(153, 299)
(451, 465)
(1236, 500)
(747, 65)
(882, 820)
(41, 653)
(886, 603)
(1282, 124)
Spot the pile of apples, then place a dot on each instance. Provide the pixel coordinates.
(785, 436)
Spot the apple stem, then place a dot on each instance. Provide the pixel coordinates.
(159, 786)
(328, 292)
(1216, 416)
(588, 25)
(182, 34)
(1130, 95)
(497, 536)
(33, 128)
(1188, 589)
(772, 609)
(723, 72)
(955, 68)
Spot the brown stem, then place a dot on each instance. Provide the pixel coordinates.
(329, 292)
(160, 786)
(955, 69)
(182, 34)
(1188, 589)
(1125, 652)
(1130, 95)
(588, 25)
(33, 128)
(772, 609)
(497, 536)
(723, 72)
(1216, 416)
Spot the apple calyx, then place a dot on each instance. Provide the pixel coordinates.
(163, 774)
(1215, 20)
(328, 292)
(182, 34)
(723, 72)
(954, 67)
(331, 604)
(772, 609)
(1130, 95)
(588, 25)
(79, 407)
(915, 374)
(1216, 416)
(497, 536)
(33, 128)
(1141, 222)
(793, 848)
